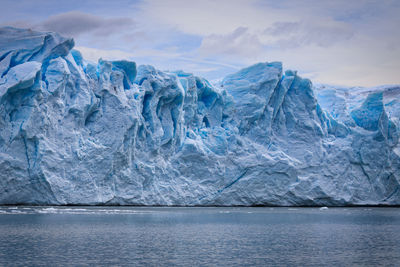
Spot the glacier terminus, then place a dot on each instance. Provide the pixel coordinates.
(114, 133)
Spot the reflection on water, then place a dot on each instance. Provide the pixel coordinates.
(60, 236)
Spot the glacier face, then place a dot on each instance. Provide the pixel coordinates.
(74, 132)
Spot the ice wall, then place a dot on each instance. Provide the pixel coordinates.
(74, 132)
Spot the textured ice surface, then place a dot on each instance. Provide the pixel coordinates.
(74, 132)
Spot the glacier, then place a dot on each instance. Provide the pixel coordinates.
(113, 133)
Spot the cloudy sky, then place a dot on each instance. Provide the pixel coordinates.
(344, 42)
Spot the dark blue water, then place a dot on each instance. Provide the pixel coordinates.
(98, 236)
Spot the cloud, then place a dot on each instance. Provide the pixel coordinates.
(244, 44)
(94, 54)
(208, 16)
(322, 33)
(75, 23)
(240, 42)
(341, 41)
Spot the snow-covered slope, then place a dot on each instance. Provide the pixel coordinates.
(72, 132)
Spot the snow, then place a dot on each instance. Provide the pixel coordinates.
(75, 132)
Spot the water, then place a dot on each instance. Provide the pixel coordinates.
(97, 236)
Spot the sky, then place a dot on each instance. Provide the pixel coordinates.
(341, 42)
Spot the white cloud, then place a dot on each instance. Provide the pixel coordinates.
(94, 54)
(162, 60)
(208, 16)
(341, 41)
(322, 33)
(240, 43)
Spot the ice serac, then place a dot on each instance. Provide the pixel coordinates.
(76, 132)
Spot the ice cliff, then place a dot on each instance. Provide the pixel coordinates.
(74, 132)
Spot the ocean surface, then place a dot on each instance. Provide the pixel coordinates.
(155, 236)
